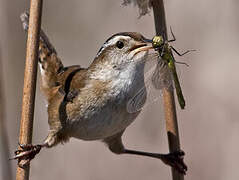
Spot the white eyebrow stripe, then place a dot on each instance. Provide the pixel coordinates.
(111, 42)
(115, 39)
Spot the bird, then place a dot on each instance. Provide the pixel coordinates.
(92, 103)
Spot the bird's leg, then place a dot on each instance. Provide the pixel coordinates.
(174, 159)
(26, 153)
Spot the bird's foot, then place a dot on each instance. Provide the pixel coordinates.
(175, 160)
(26, 153)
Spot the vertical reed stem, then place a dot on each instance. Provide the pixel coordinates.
(28, 99)
(168, 95)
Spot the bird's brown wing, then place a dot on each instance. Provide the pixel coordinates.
(69, 81)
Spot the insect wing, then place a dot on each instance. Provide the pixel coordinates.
(162, 76)
(156, 77)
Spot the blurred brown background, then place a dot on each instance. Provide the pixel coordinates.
(209, 126)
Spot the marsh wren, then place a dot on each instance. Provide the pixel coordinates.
(91, 103)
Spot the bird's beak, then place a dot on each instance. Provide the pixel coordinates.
(145, 48)
(148, 40)
(145, 45)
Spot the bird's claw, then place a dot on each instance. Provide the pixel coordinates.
(175, 160)
(26, 153)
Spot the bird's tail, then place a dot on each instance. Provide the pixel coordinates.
(49, 63)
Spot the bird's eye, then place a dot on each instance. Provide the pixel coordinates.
(119, 44)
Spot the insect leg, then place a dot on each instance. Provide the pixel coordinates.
(181, 54)
(174, 38)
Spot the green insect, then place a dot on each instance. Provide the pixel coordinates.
(165, 52)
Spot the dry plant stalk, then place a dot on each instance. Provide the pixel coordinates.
(28, 99)
(168, 95)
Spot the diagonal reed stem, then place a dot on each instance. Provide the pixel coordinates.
(168, 95)
(30, 75)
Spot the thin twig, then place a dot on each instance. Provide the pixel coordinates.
(28, 99)
(168, 95)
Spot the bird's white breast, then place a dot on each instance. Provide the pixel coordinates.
(111, 116)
